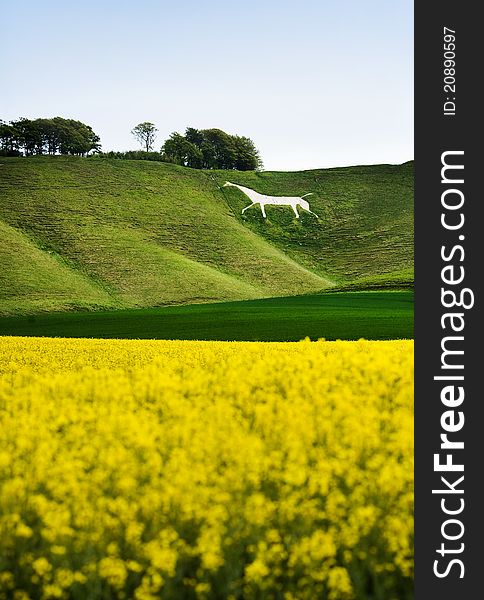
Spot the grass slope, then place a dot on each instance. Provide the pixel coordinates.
(36, 280)
(112, 234)
(365, 225)
(343, 315)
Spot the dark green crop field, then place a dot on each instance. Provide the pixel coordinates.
(332, 315)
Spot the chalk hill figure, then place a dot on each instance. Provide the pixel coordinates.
(262, 200)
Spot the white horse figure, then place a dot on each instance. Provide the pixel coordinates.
(262, 200)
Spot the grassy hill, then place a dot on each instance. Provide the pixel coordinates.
(96, 233)
(365, 225)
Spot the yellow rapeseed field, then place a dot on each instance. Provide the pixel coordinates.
(211, 470)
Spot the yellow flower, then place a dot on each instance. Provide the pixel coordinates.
(151, 469)
(114, 571)
(41, 566)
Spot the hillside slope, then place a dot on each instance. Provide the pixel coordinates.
(97, 233)
(365, 225)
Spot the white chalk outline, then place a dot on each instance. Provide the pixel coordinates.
(263, 200)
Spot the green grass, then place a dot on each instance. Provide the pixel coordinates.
(333, 315)
(365, 225)
(97, 234)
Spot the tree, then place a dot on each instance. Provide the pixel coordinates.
(179, 150)
(51, 135)
(145, 133)
(218, 149)
(76, 137)
(247, 155)
(195, 136)
(30, 136)
(212, 149)
(9, 142)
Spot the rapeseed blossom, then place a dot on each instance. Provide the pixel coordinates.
(173, 470)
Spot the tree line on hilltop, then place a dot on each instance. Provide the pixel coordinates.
(197, 148)
(29, 137)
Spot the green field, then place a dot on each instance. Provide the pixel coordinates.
(333, 315)
(96, 234)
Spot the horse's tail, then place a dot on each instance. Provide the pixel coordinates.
(308, 194)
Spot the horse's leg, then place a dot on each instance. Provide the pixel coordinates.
(294, 208)
(244, 209)
(310, 211)
(262, 207)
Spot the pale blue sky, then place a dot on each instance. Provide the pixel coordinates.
(315, 83)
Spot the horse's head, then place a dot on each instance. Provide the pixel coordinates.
(305, 205)
(227, 184)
